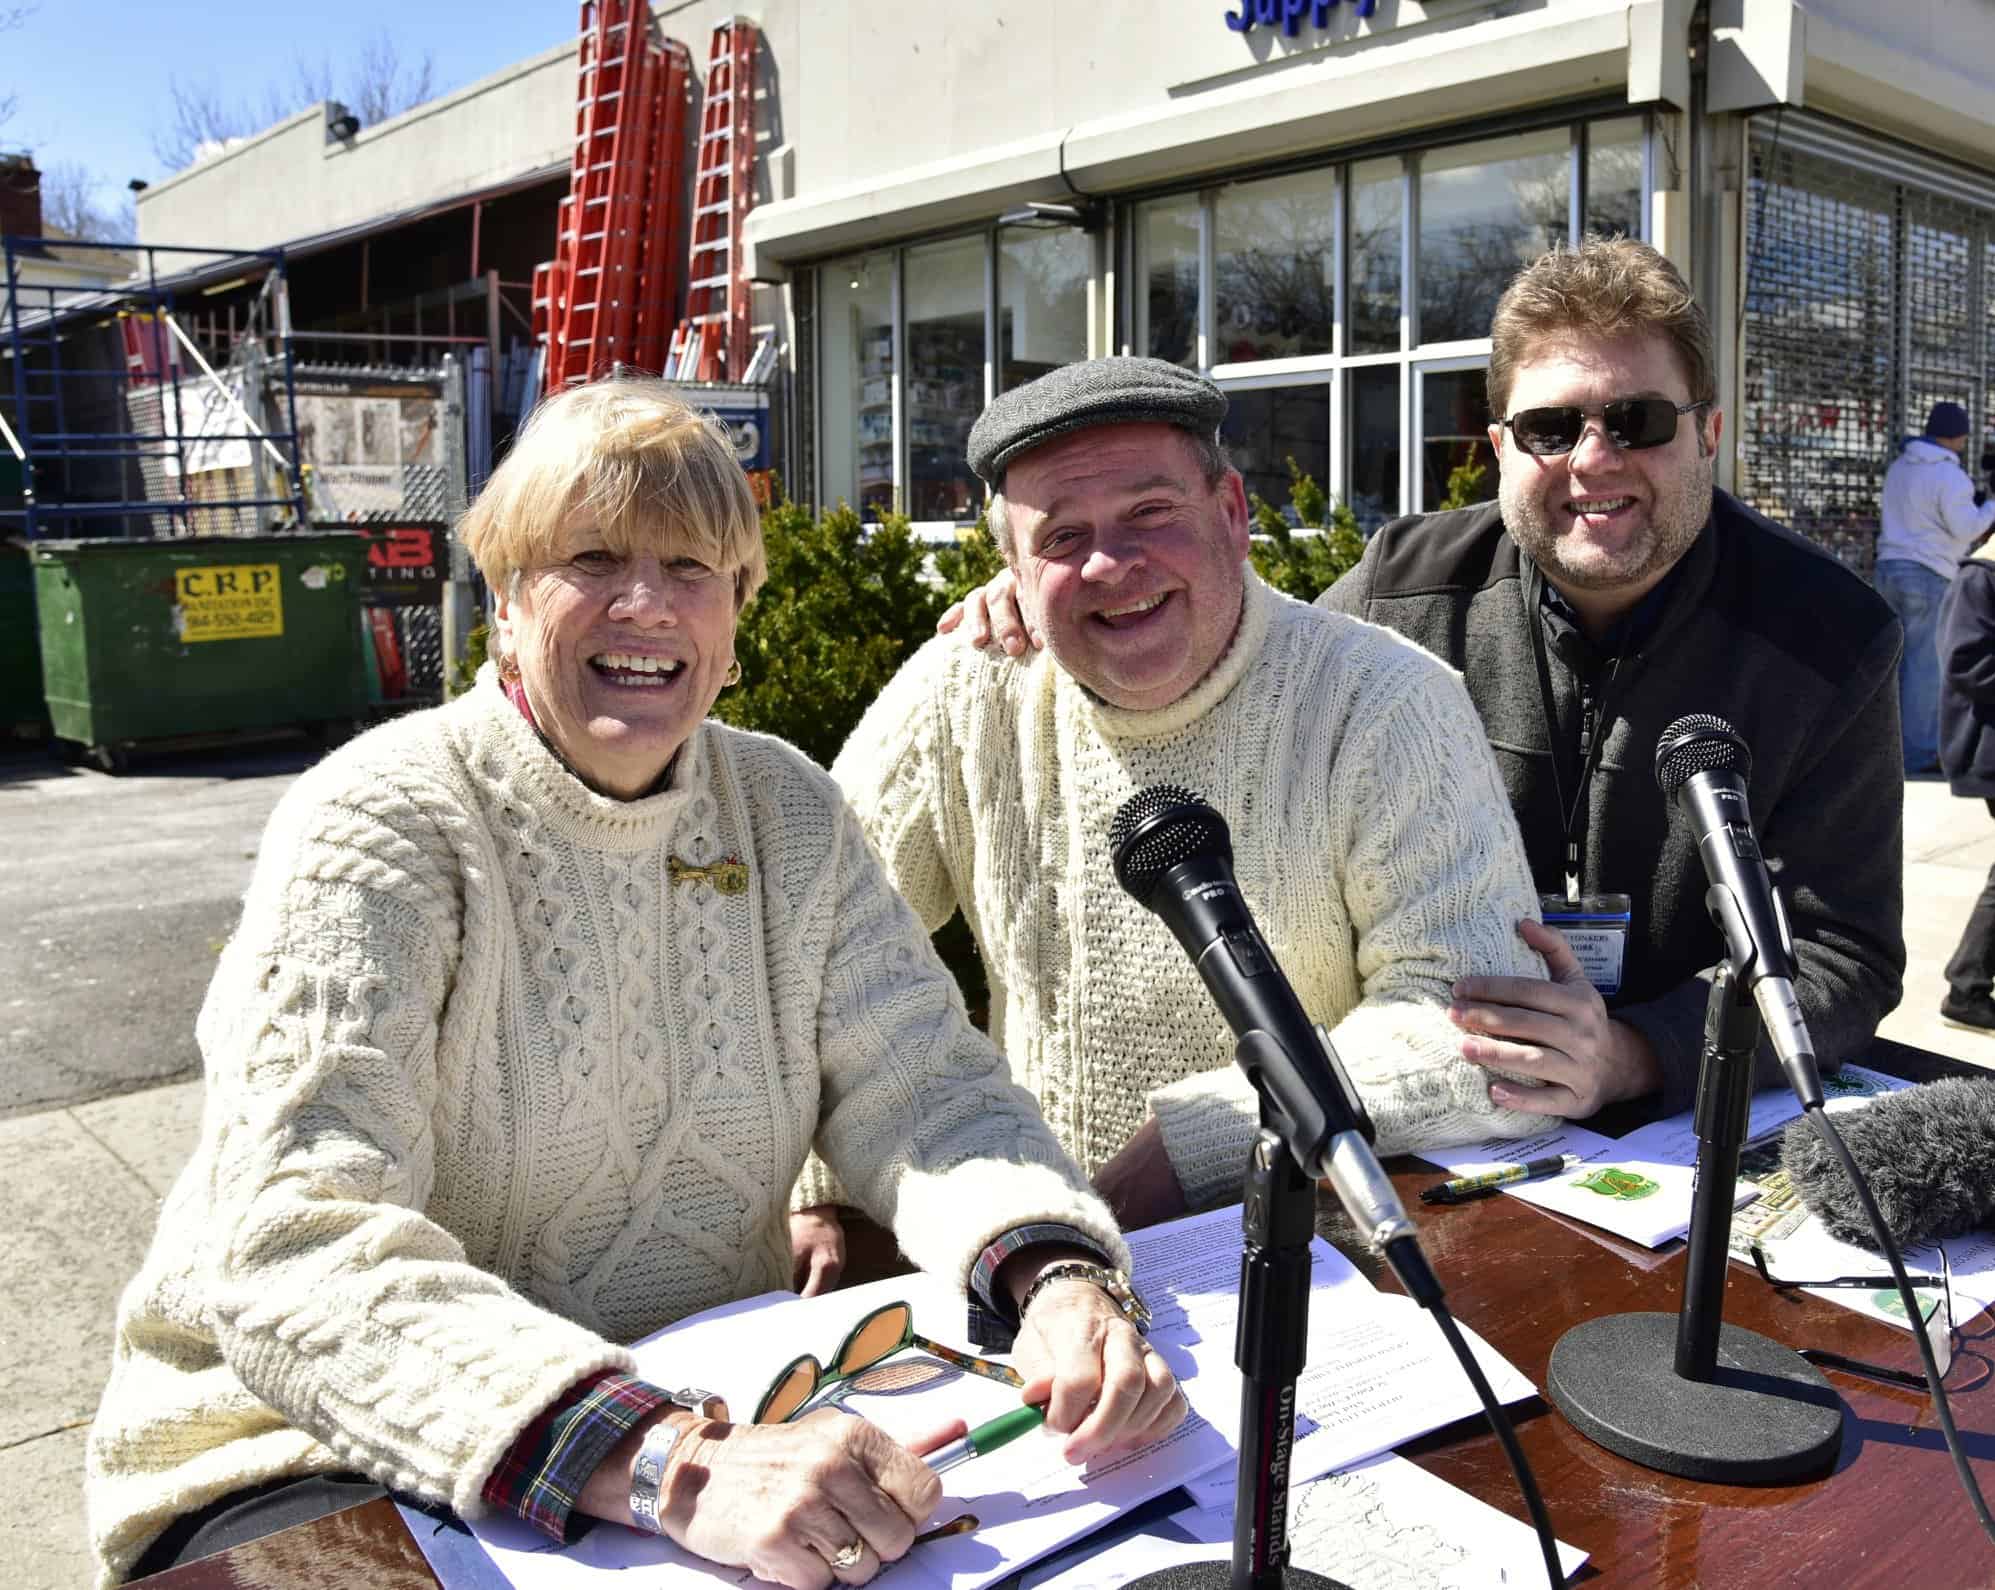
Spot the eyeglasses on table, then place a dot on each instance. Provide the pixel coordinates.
(860, 1365)
(1936, 1320)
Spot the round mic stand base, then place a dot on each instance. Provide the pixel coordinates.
(1219, 1576)
(1766, 1416)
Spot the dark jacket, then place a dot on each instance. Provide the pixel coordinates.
(1967, 677)
(1758, 627)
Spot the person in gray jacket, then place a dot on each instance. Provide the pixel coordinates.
(1610, 590)
(1930, 517)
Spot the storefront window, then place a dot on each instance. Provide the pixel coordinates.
(1043, 283)
(1167, 279)
(1275, 268)
(1486, 210)
(1373, 410)
(1378, 216)
(856, 398)
(1614, 177)
(945, 376)
(1265, 430)
(1454, 435)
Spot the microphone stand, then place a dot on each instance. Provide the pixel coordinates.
(1277, 1221)
(1718, 1402)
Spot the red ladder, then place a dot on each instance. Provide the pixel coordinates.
(712, 341)
(664, 209)
(612, 133)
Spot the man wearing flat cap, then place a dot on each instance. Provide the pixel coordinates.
(1371, 837)
(1930, 521)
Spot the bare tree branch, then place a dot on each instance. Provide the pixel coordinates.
(70, 206)
(12, 17)
(380, 88)
(375, 85)
(198, 121)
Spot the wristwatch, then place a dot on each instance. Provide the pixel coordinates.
(1115, 1283)
(647, 1470)
(707, 1404)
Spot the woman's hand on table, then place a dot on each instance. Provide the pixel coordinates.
(785, 1500)
(1105, 1388)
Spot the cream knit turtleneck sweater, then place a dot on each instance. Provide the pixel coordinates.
(490, 1092)
(1371, 838)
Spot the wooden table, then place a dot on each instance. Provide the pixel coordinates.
(1892, 1512)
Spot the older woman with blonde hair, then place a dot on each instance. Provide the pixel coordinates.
(537, 1003)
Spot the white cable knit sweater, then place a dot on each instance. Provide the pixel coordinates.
(490, 1094)
(1371, 839)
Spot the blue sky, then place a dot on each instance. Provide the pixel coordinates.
(90, 77)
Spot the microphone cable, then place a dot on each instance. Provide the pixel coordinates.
(1829, 1135)
(1165, 833)
(1506, 1434)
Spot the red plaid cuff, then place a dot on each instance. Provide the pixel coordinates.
(543, 1472)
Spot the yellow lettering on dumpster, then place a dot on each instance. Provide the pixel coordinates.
(239, 601)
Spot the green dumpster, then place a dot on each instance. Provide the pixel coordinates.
(160, 640)
(21, 709)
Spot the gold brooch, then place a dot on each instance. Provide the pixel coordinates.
(728, 876)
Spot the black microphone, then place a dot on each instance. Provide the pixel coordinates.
(1173, 854)
(1703, 765)
(1929, 1156)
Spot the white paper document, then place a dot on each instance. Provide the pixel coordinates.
(1640, 1186)
(1389, 1523)
(1378, 1373)
(1026, 1498)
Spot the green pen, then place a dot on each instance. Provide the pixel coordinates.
(987, 1437)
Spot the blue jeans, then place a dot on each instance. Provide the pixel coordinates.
(1914, 592)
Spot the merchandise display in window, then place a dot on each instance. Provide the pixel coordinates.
(945, 383)
(875, 430)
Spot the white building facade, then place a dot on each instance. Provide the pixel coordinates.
(1315, 202)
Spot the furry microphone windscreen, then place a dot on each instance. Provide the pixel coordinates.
(1928, 1153)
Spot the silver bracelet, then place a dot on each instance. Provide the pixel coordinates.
(648, 1472)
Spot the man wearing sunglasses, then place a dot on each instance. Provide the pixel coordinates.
(1610, 589)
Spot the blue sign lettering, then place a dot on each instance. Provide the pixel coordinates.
(1251, 14)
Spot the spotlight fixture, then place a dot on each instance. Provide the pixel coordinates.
(341, 123)
(1050, 215)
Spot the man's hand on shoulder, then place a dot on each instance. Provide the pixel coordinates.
(1138, 1185)
(1556, 1033)
(991, 616)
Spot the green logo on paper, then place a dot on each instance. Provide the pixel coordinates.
(1624, 1186)
(1849, 1085)
(1887, 1301)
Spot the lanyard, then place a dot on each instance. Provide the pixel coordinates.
(1594, 718)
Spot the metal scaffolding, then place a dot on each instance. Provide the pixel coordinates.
(119, 417)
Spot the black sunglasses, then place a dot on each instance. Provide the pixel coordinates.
(1937, 1321)
(1629, 422)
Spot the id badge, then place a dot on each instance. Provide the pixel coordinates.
(1596, 927)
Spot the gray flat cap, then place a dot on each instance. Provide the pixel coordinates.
(1077, 397)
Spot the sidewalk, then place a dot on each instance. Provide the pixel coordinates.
(83, 1184)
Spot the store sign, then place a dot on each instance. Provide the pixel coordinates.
(235, 601)
(1245, 15)
(404, 564)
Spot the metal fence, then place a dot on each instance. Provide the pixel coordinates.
(1869, 295)
(384, 453)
